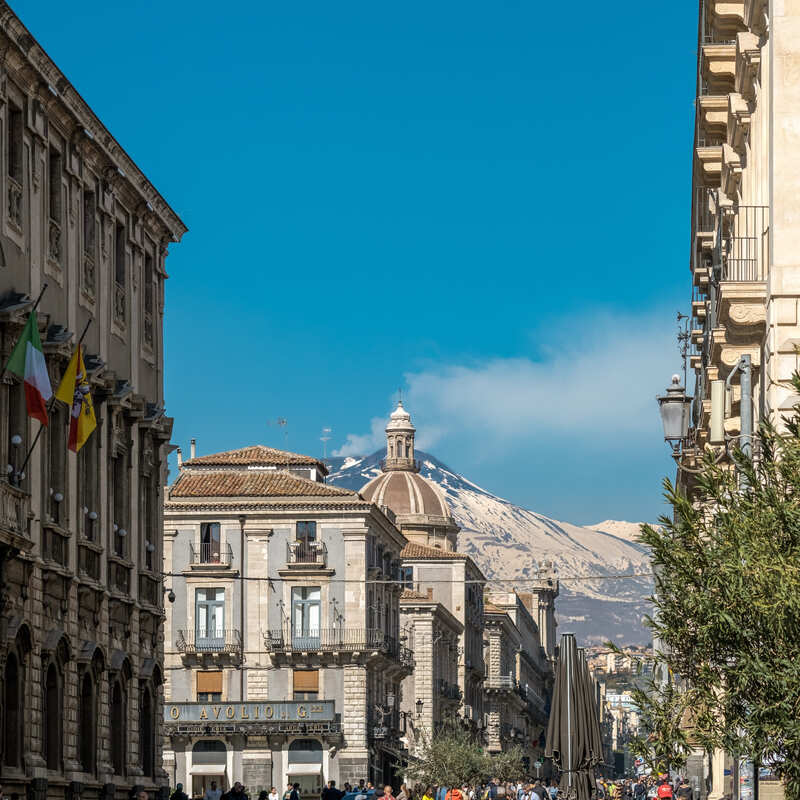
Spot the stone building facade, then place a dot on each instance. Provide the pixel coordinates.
(284, 650)
(80, 536)
(744, 240)
(431, 565)
(519, 675)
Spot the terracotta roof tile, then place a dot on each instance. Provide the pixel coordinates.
(253, 455)
(417, 551)
(236, 483)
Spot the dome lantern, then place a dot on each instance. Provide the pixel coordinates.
(400, 433)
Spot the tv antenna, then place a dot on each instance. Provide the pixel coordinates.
(325, 438)
(683, 341)
(282, 423)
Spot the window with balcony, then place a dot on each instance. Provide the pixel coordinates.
(14, 145)
(119, 273)
(407, 577)
(87, 488)
(56, 466)
(305, 616)
(149, 301)
(209, 687)
(119, 489)
(210, 619)
(210, 543)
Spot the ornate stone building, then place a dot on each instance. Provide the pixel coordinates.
(284, 648)
(432, 569)
(744, 241)
(80, 536)
(519, 674)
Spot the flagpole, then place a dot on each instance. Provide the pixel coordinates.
(52, 400)
(35, 306)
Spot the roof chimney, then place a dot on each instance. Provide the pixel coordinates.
(180, 457)
(193, 448)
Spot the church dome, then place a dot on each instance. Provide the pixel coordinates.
(408, 493)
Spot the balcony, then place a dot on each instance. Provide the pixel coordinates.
(55, 546)
(149, 590)
(210, 556)
(89, 560)
(301, 553)
(198, 646)
(336, 646)
(718, 67)
(500, 683)
(447, 691)
(709, 159)
(728, 16)
(744, 244)
(14, 506)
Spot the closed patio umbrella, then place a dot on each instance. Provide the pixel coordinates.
(573, 733)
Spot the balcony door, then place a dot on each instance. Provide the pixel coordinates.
(305, 617)
(306, 544)
(210, 543)
(210, 619)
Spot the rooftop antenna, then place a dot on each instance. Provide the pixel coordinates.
(282, 422)
(325, 438)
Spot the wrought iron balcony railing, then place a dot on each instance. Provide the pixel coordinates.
(213, 554)
(743, 243)
(304, 553)
(14, 504)
(501, 682)
(213, 641)
(447, 690)
(337, 640)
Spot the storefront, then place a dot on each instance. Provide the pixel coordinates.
(261, 744)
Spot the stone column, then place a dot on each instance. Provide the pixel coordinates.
(354, 757)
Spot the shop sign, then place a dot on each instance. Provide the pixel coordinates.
(281, 711)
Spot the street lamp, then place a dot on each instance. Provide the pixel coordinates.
(674, 408)
(420, 703)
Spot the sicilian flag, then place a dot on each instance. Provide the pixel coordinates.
(27, 361)
(74, 391)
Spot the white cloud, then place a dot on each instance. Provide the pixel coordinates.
(363, 444)
(593, 377)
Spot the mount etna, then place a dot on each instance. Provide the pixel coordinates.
(509, 542)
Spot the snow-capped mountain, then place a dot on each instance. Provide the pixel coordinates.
(508, 542)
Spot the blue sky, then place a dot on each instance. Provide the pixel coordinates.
(484, 203)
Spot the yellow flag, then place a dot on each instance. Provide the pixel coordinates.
(74, 391)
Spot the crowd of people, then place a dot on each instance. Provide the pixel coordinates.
(646, 787)
(653, 787)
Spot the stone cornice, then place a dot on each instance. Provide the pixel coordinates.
(304, 504)
(30, 61)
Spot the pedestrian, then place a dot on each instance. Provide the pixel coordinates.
(403, 793)
(453, 794)
(141, 795)
(179, 794)
(273, 793)
(387, 793)
(330, 792)
(262, 795)
(347, 787)
(288, 793)
(685, 791)
(428, 793)
(295, 793)
(212, 793)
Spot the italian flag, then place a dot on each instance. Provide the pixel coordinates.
(27, 361)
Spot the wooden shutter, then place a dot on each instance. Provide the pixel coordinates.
(209, 682)
(306, 680)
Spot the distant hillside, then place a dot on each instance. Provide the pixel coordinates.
(508, 542)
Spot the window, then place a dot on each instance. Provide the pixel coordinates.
(306, 532)
(208, 751)
(13, 712)
(210, 618)
(210, 543)
(305, 615)
(89, 206)
(147, 739)
(53, 712)
(54, 185)
(149, 292)
(15, 143)
(119, 489)
(56, 450)
(305, 684)
(119, 254)
(17, 431)
(87, 730)
(119, 719)
(147, 520)
(87, 488)
(407, 577)
(209, 687)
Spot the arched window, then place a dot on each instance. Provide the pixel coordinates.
(12, 705)
(400, 449)
(87, 731)
(209, 751)
(305, 751)
(146, 731)
(53, 713)
(119, 719)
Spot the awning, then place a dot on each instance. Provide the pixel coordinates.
(207, 769)
(304, 769)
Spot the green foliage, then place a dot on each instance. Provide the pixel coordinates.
(454, 757)
(727, 574)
